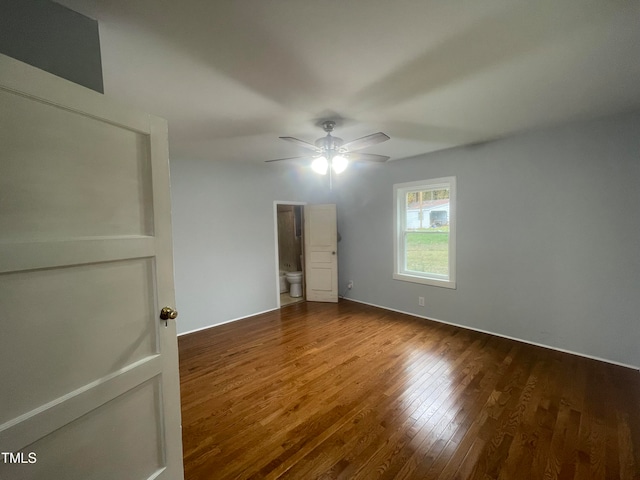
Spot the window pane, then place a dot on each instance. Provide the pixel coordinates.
(427, 251)
(426, 209)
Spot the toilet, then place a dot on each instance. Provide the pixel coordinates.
(284, 288)
(295, 280)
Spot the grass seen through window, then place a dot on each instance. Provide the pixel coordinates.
(427, 250)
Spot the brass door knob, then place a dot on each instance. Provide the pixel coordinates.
(168, 313)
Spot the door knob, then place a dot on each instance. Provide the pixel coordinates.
(168, 313)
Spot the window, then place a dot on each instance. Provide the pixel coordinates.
(424, 245)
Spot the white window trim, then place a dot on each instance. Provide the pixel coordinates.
(399, 191)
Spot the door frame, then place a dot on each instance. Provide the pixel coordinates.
(275, 233)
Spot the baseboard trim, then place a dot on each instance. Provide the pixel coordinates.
(227, 321)
(591, 357)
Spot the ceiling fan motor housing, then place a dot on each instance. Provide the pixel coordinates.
(329, 143)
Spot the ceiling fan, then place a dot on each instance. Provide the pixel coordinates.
(332, 154)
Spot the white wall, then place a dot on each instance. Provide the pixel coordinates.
(548, 244)
(224, 240)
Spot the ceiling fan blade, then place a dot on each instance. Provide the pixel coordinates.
(367, 157)
(301, 143)
(304, 157)
(367, 141)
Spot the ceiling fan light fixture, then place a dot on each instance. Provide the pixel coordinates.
(331, 152)
(339, 163)
(320, 165)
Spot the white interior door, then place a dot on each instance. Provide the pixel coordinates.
(321, 253)
(89, 385)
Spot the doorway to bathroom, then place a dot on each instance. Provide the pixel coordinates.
(289, 218)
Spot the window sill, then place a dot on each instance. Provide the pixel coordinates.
(425, 281)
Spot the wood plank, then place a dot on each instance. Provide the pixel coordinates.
(352, 391)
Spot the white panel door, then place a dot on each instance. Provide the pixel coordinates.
(89, 385)
(321, 253)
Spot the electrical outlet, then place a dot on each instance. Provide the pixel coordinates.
(421, 301)
(350, 284)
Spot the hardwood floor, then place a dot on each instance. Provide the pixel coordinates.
(351, 391)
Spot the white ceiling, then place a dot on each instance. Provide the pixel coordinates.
(233, 75)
